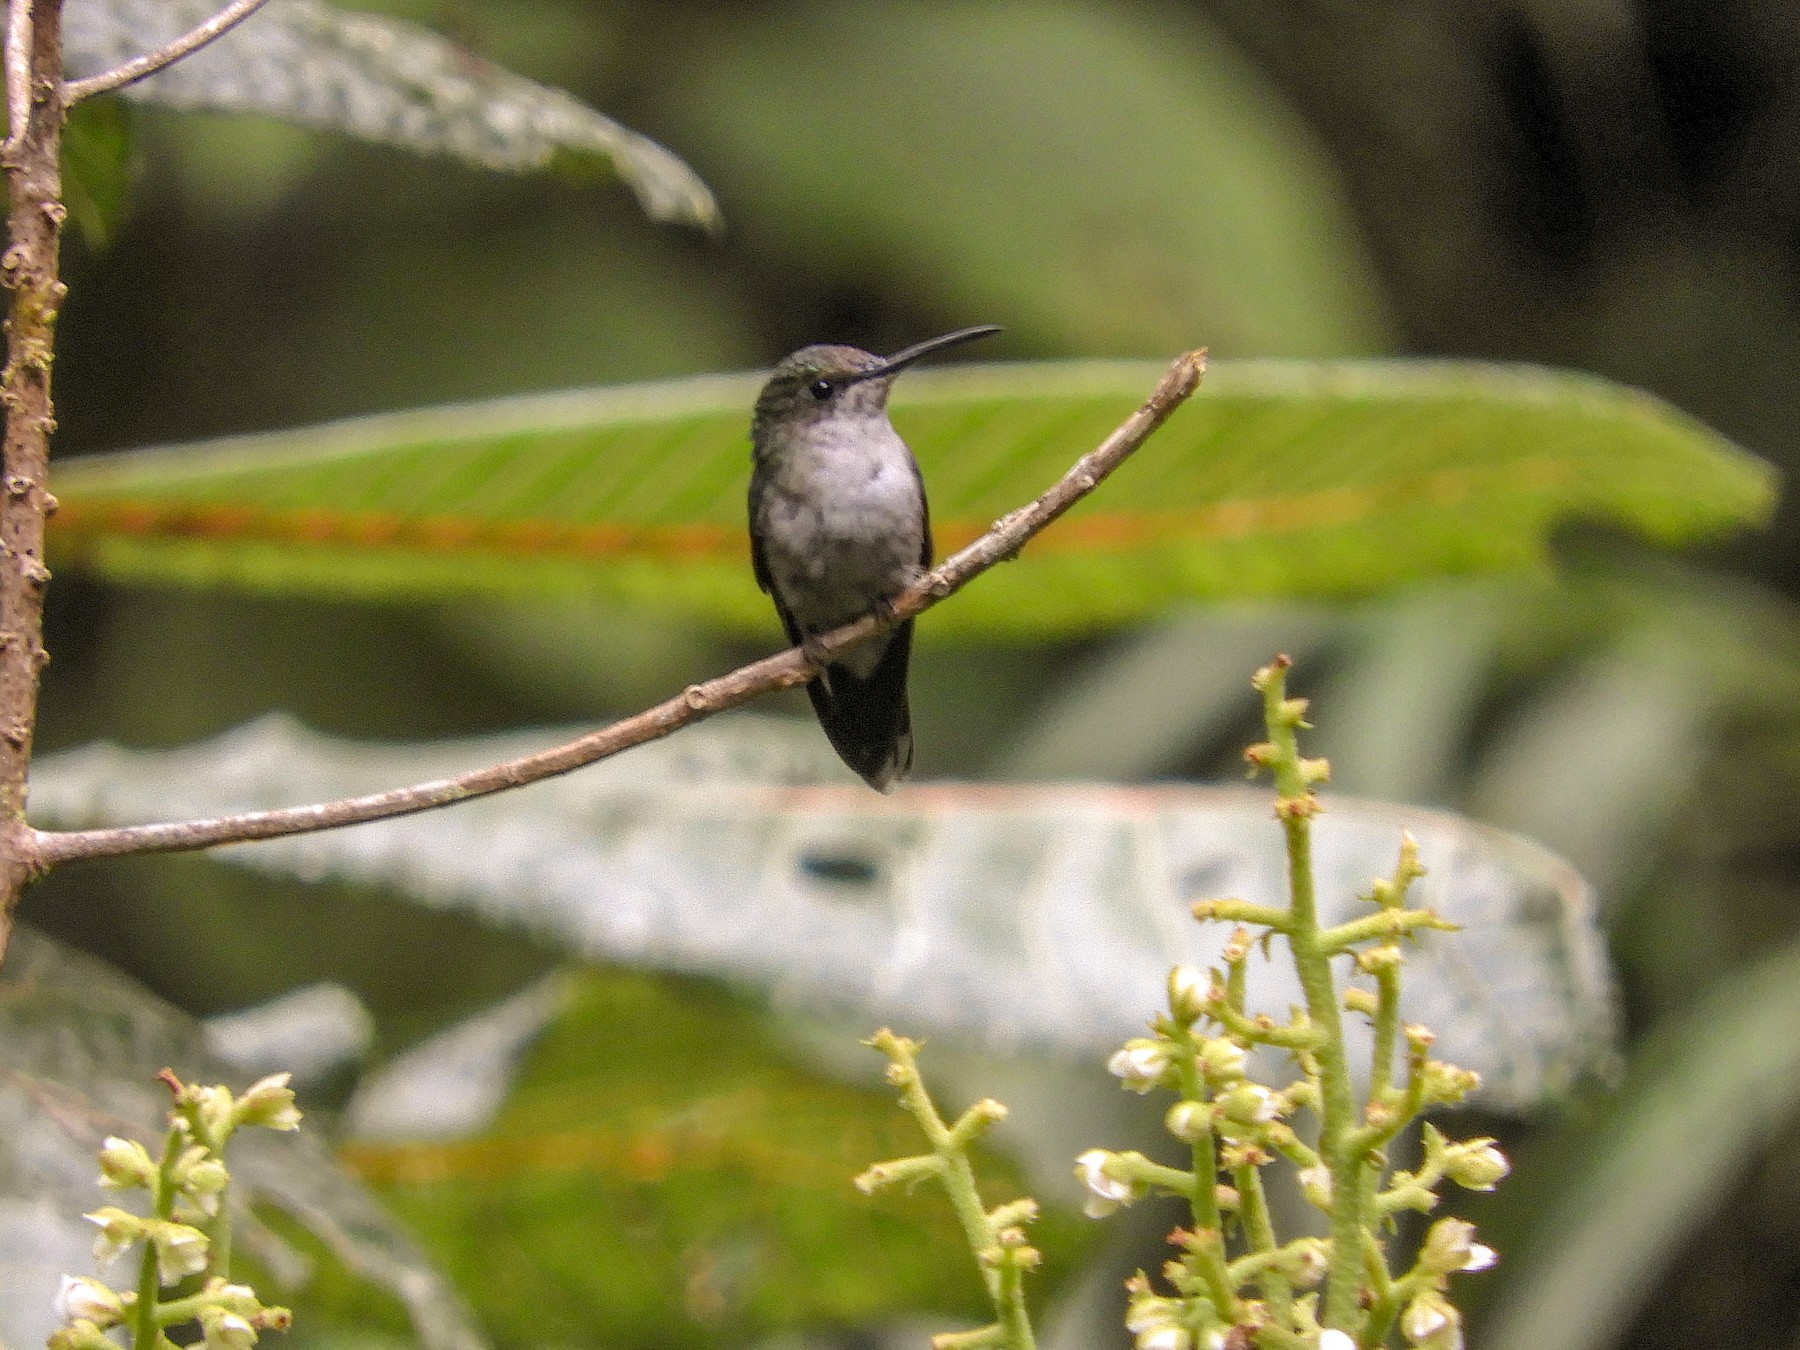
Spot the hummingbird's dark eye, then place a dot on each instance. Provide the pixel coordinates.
(820, 389)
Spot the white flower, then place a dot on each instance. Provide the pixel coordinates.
(1481, 1257)
(1333, 1339)
(181, 1251)
(118, 1230)
(1423, 1320)
(1105, 1194)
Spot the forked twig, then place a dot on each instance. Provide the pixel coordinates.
(166, 55)
(789, 668)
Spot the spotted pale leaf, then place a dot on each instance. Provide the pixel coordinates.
(380, 79)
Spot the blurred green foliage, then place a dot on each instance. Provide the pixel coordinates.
(1588, 186)
(96, 154)
(687, 1188)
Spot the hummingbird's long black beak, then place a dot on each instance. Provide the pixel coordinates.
(903, 358)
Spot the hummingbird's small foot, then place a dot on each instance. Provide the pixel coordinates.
(883, 609)
(814, 651)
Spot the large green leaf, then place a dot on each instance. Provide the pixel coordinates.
(1277, 478)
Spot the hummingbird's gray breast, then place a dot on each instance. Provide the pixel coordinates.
(842, 524)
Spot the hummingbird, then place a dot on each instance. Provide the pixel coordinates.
(838, 526)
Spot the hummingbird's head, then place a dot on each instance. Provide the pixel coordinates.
(818, 384)
(827, 383)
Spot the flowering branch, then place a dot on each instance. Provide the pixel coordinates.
(996, 1236)
(187, 1233)
(1236, 1126)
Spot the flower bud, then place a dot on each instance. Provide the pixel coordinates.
(1383, 956)
(1143, 1064)
(1145, 1311)
(81, 1334)
(1333, 1339)
(269, 1102)
(1450, 1247)
(1250, 1104)
(1221, 1059)
(125, 1164)
(1013, 1213)
(205, 1183)
(238, 1298)
(1306, 1261)
(1432, 1323)
(1188, 990)
(1190, 1122)
(1315, 1185)
(213, 1111)
(1476, 1165)
(226, 1330)
(1168, 1336)
(85, 1300)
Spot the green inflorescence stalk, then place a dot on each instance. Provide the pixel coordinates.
(995, 1236)
(1295, 807)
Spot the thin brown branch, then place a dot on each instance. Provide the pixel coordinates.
(30, 160)
(18, 73)
(167, 55)
(789, 668)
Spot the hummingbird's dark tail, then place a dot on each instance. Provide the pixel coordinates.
(867, 720)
